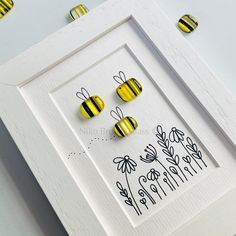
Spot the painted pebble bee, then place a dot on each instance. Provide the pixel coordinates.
(188, 23)
(125, 125)
(78, 11)
(91, 106)
(5, 7)
(128, 89)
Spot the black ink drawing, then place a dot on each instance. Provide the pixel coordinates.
(126, 165)
(191, 148)
(170, 172)
(169, 150)
(154, 175)
(151, 155)
(188, 160)
(142, 192)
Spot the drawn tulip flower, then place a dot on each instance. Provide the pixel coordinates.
(126, 165)
(153, 175)
(176, 135)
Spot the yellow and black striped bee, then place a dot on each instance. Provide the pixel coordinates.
(78, 11)
(128, 89)
(188, 23)
(5, 7)
(125, 125)
(92, 105)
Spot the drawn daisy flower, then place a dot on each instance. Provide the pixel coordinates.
(153, 174)
(176, 135)
(125, 164)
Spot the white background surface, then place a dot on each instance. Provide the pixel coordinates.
(24, 209)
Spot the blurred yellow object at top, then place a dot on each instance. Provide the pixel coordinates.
(5, 7)
(78, 11)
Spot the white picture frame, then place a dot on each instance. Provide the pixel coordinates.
(37, 98)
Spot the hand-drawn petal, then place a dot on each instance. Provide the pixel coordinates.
(128, 167)
(120, 165)
(118, 159)
(171, 136)
(132, 162)
(124, 167)
(180, 132)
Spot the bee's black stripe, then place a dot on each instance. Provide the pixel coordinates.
(2, 11)
(192, 20)
(138, 85)
(119, 130)
(87, 109)
(131, 88)
(131, 122)
(4, 7)
(3, 4)
(186, 24)
(95, 104)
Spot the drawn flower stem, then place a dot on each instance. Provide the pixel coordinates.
(169, 180)
(192, 168)
(187, 169)
(144, 202)
(142, 177)
(166, 181)
(168, 173)
(137, 208)
(190, 154)
(161, 187)
(182, 173)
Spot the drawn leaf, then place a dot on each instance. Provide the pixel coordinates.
(171, 161)
(189, 140)
(190, 148)
(164, 135)
(176, 158)
(123, 194)
(159, 136)
(159, 129)
(200, 154)
(126, 192)
(187, 159)
(194, 147)
(161, 144)
(196, 156)
(167, 143)
(166, 152)
(128, 202)
(119, 186)
(172, 151)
